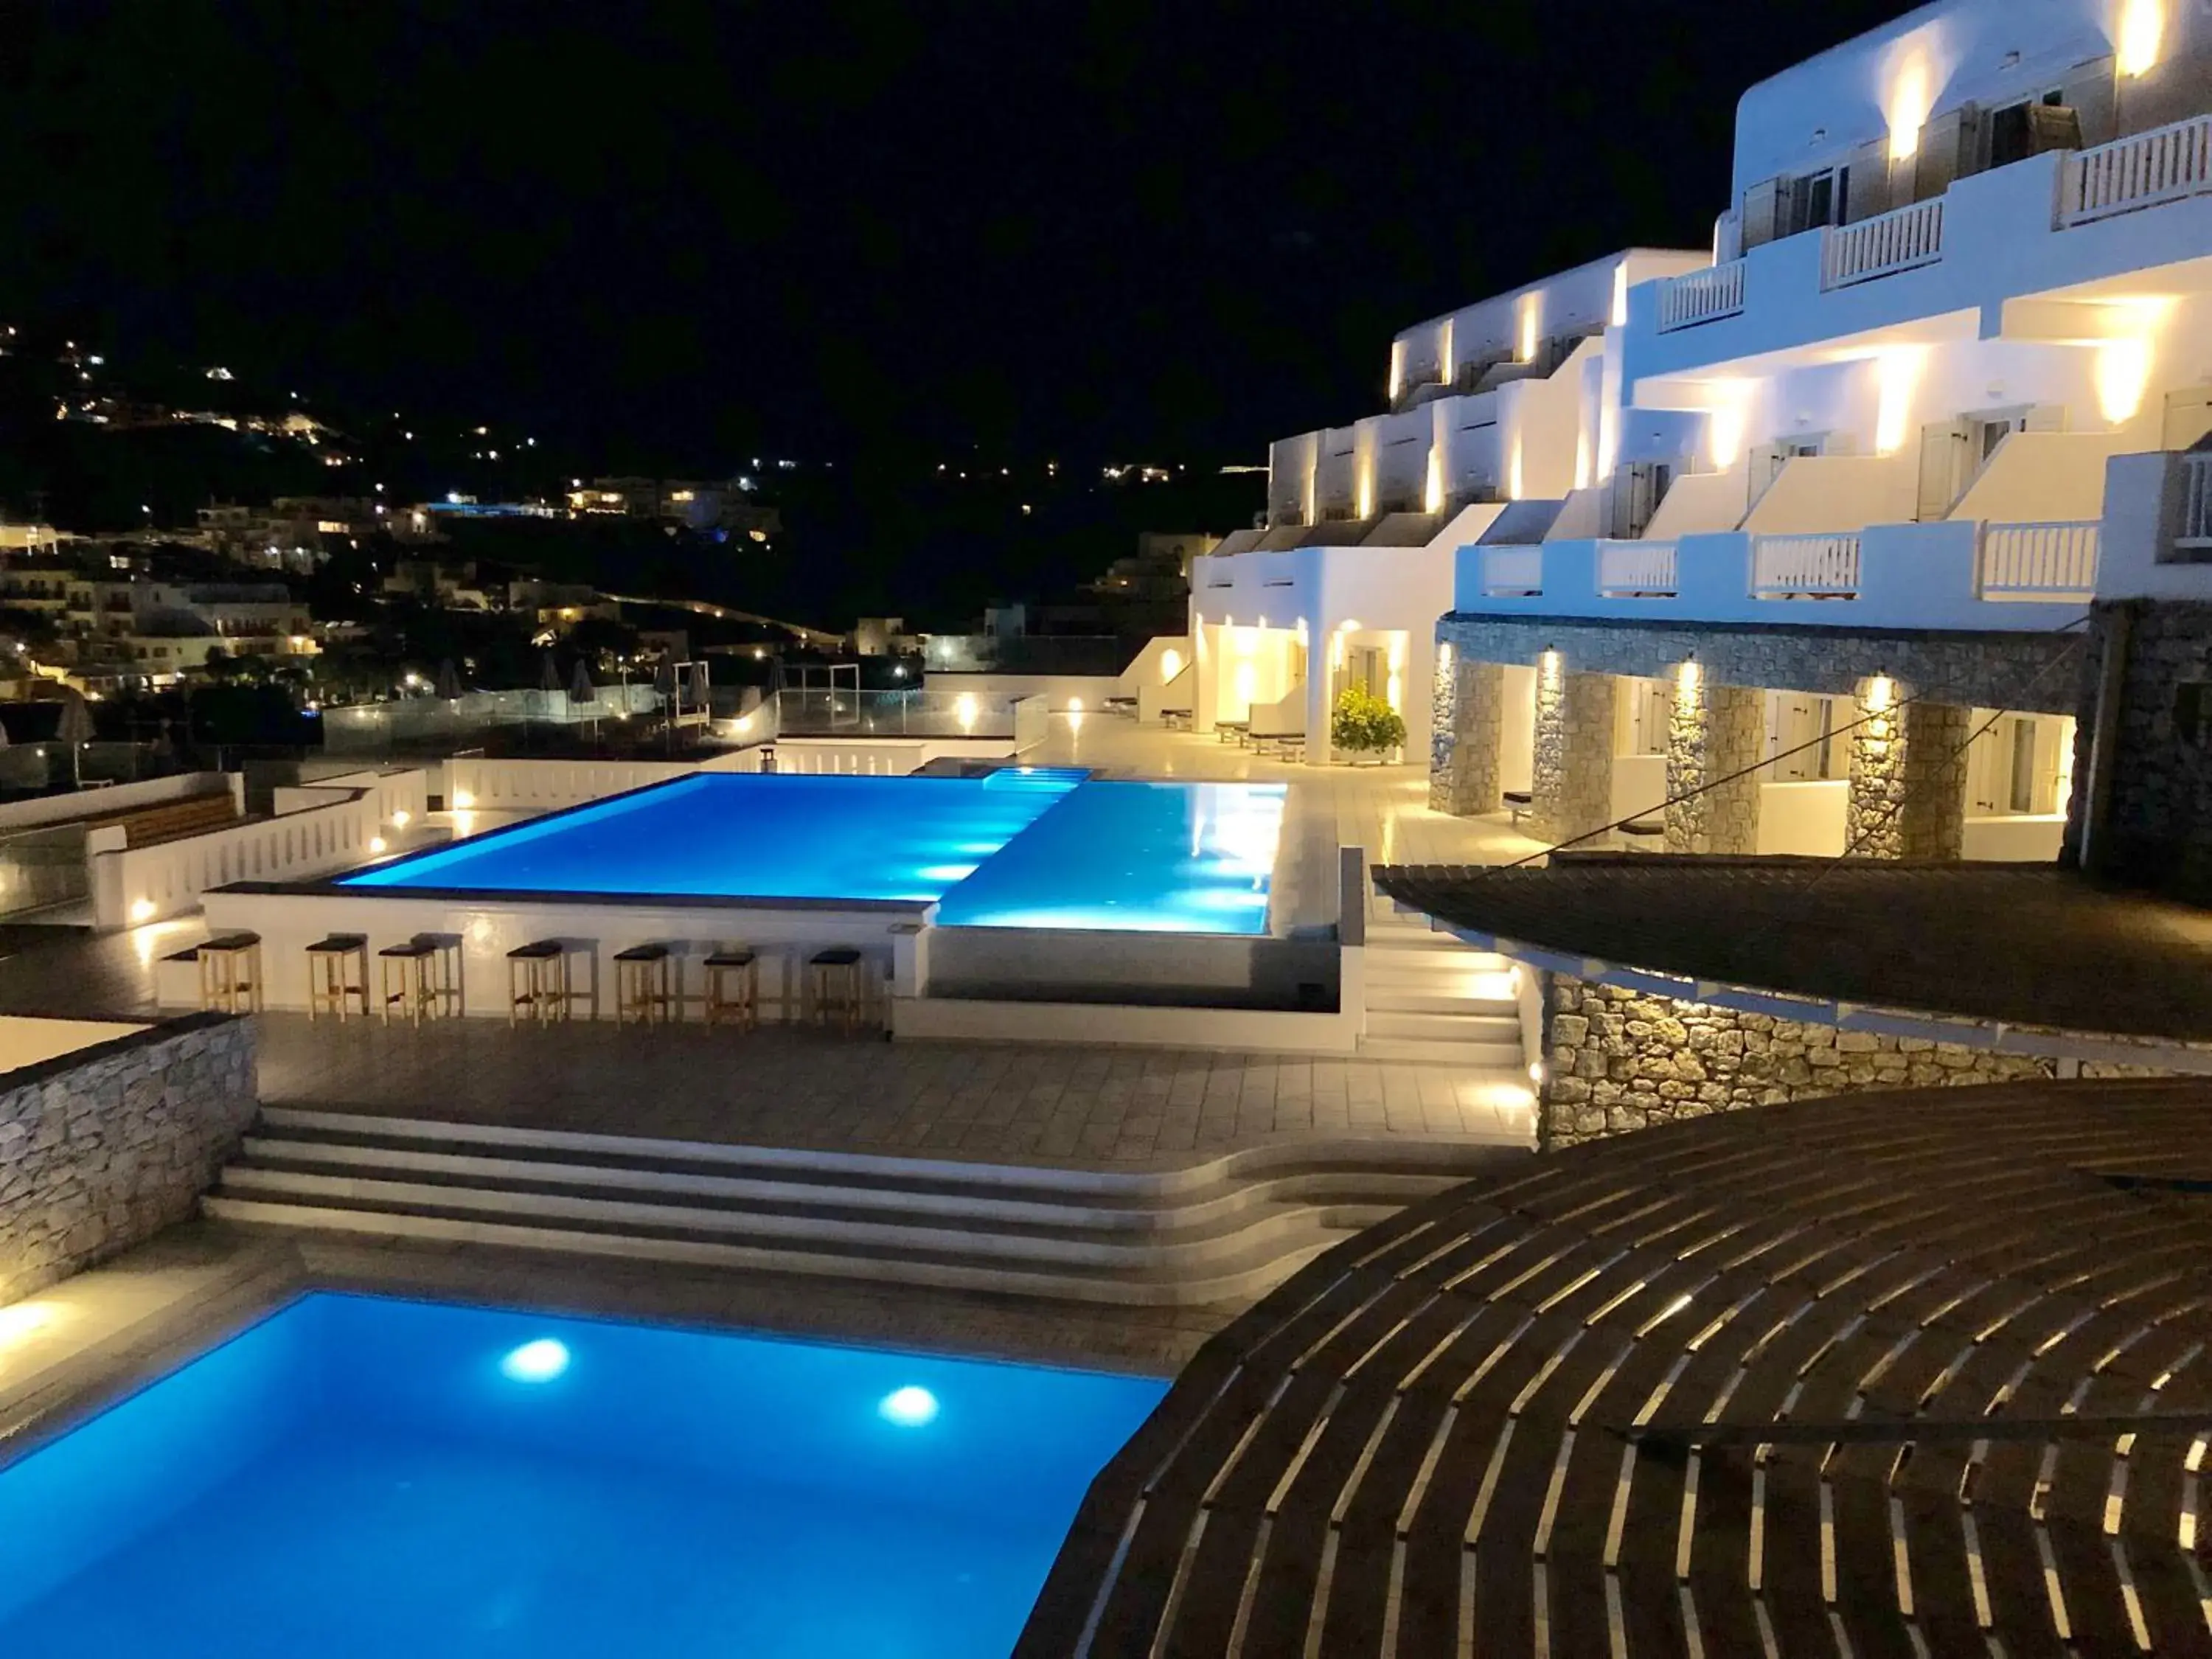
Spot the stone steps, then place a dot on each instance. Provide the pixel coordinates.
(1225, 1230)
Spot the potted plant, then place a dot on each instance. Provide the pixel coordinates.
(1364, 728)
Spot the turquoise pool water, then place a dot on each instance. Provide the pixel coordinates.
(362, 1478)
(1021, 848)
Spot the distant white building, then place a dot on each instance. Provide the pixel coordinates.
(1343, 585)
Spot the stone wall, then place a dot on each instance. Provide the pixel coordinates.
(2157, 826)
(1619, 1061)
(103, 1148)
(1463, 755)
(2030, 673)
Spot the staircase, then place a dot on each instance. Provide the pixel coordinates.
(1431, 998)
(1226, 1230)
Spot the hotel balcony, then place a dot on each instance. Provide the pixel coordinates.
(1946, 266)
(1956, 575)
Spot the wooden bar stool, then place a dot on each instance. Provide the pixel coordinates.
(838, 986)
(646, 985)
(537, 982)
(338, 973)
(408, 965)
(444, 975)
(230, 973)
(734, 989)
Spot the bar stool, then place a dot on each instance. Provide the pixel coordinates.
(337, 972)
(646, 985)
(230, 973)
(411, 965)
(444, 975)
(537, 981)
(838, 986)
(734, 989)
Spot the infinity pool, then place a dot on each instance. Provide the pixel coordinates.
(356, 1478)
(1020, 847)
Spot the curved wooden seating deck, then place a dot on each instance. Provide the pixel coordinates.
(1918, 1373)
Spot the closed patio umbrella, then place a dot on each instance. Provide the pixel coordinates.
(449, 682)
(74, 731)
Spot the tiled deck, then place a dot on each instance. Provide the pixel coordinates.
(991, 1103)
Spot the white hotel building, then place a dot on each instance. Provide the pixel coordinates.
(1878, 451)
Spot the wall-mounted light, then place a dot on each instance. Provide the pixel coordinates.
(1687, 674)
(2123, 375)
(1910, 97)
(2142, 28)
(141, 911)
(1897, 376)
(1525, 334)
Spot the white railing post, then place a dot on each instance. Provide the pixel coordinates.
(2162, 164)
(1901, 239)
(1701, 296)
(2196, 530)
(1805, 566)
(2054, 562)
(1635, 569)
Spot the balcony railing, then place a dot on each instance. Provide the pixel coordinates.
(2162, 164)
(2050, 562)
(1701, 296)
(1804, 566)
(1903, 239)
(1635, 569)
(2196, 527)
(1512, 572)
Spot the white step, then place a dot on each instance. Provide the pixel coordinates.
(1223, 1282)
(1444, 1028)
(1231, 1226)
(1504, 1059)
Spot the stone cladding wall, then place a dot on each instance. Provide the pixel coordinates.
(1463, 743)
(100, 1150)
(1618, 1060)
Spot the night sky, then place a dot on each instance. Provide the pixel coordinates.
(673, 231)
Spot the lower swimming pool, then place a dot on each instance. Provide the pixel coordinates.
(1020, 847)
(360, 1478)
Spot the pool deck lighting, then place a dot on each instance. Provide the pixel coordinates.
(910, 1407)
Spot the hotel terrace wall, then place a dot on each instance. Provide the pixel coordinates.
(102, 1148)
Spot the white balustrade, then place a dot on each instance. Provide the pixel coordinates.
(1804, 566)
(1512, 572)
(2196, 529)
(2050, 562)
(1634, 569)
(1701, 296)
(1901, 239)
(2162, 164)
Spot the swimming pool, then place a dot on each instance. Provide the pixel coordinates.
(1020, 847)
(363, 1478)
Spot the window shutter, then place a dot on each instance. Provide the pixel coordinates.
(1762, 205)
(1942, 447)
(1766, 464)
(1950, 146)
(1868, 193)
(2089, 91)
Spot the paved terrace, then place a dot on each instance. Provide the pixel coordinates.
(1057, 1103)
(2030, 944)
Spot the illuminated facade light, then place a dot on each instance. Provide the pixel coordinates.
(141, 911)
(2143, 29)
(1910, 97)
